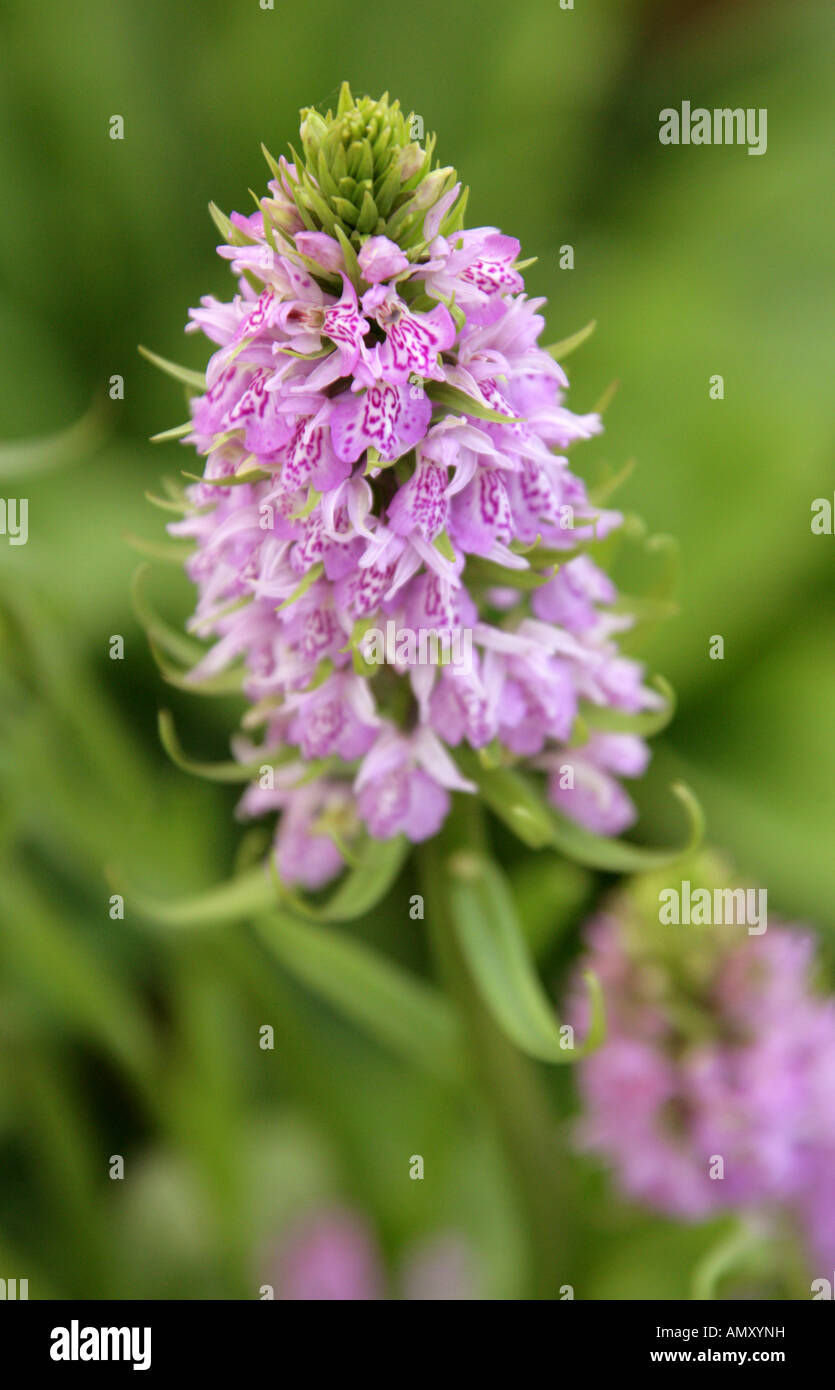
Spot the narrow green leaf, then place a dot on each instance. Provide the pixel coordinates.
(396, 1009)
(454, 220)
(217, 772)
(298, 199)
(497, 954)
(453, 399)
(619, 856)
(521, 805)
(601, 492)
(167, 504)
(177, 644)
(184, 374)
(315, 572)
(602, 405)
(268, 230)
(233, 901)
(273, 163)
(228, 682)
(307, 507)
(378, 862)
(489, 572)
(250, 475)
(646, 724)
(568, 345)
(176, 432)
(360, 890)
(352, 265)
(230, 233)
(510, 797)
(736, 1250)
(444, 545)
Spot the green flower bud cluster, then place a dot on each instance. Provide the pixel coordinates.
(364, 174)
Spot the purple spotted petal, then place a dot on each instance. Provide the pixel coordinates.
(345, 326)
(311, 458)
(384, 417)
(481, 515)
(421, 504)
(413, 341)
(257, 413)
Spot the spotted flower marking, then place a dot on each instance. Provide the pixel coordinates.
(413, 341)
(383, 417)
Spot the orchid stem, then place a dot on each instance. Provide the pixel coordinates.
(510, 1085)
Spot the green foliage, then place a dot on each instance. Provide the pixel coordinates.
(125, 1036)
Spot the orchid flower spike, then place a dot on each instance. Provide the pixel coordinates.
(389, 544)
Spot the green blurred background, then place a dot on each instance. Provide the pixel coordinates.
(694, 261)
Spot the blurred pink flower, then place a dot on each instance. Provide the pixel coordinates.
(331, 1255)
(721, 1048)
